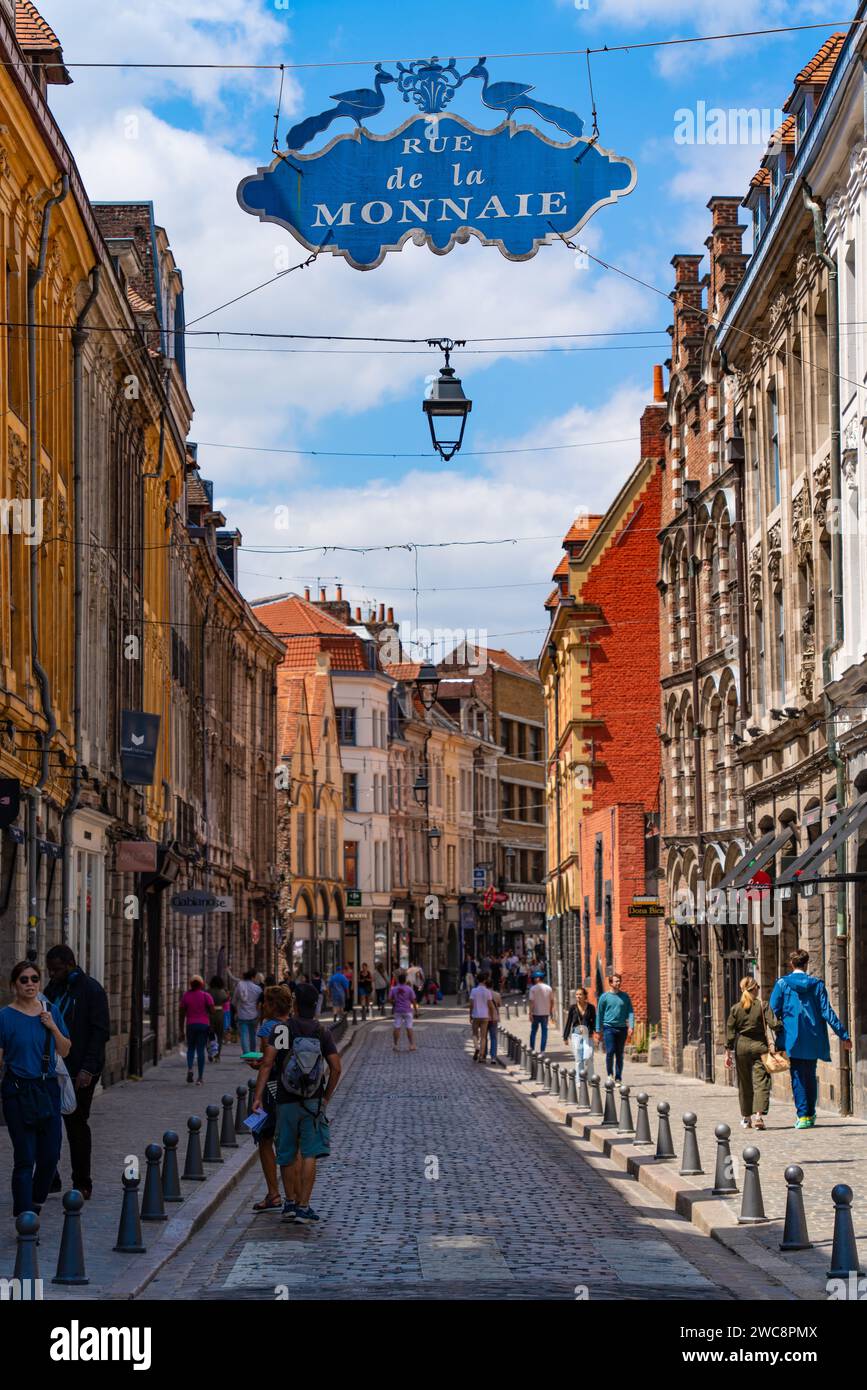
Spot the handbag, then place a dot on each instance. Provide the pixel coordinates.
(773, 1062)
(68, 1097)
(33, 1098)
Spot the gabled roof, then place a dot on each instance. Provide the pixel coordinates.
(404, 670)
(39, 41)
(582, 529)
(307, 630)
(821, 66)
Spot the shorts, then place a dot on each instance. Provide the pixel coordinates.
(302, 1128)
(403, 1021)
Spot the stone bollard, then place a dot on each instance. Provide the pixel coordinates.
(642, 1128)
(583, 1090)
(211, 1153)
(752, 1206)
(609, 1116)
(625, 1125)
(844, 1252)
(691, 1165)
(129, 1228)
(544, 1072)
(595, 1096)
(227, 1132)
(554, 1079)
(70, 1258)
(724, 1177)
(571, 1093)
(251, 1091)
(564, 1085)
(535, 1066)
(26, 1259)
(508, 1012)
(193, 1170)
(171, 1181)
(152, 1208)
(795, 1233)
(664, 1141)
(241, 1110)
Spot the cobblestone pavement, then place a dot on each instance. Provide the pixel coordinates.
(834, 1152)
(514, 1212)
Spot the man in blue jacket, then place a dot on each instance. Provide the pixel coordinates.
(801, 1003)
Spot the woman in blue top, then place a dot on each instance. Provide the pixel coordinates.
(29, 1090)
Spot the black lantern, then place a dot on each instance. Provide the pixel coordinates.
(420, 789)
(427, 684)
(446, 406)
(434, 835)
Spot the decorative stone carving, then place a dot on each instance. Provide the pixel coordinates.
(802, 525)
(849, 461)
(802, 266)
(775, 553)
(17, 465)
(822, 476)
(781, 305)
(755, 580)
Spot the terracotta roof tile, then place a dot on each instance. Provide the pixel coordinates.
(31, 30)
(404, 670)
(785, 134)
(553, 599)
(820, 67)
(562, 569)
(583, 529)
(296, 617)
(136, 303)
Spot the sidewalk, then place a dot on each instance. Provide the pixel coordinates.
(834, 1152)
(124, 1119)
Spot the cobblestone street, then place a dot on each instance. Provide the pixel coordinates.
(514, 1213)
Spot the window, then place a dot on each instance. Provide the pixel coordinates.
(332, 848)
(350, 863)
(780, 640)
(345, 724)
(350, 791)
(774, 441)
(597, 877)
(609, 935)
(534, 742)
(760, 659)
(301, 842)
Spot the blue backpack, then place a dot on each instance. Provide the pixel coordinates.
(303, 1072)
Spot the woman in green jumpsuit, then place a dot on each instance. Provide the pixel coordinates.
(749, 1023)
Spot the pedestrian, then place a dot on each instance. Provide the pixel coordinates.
(350, 981)
(800, 1001)
(245, 1001)
(615, 1020)
(83, 1006)
(338, 989)
(579, 1029)
(415, 978)
(219, 994)
(481, 1010)
(404, 1009)
(543, 1010)
(431, 989)
(493, 1021)
(380, 984)
(318, 984)
(365, 987)
(496, 973)
(32, 1036)
(469, 974)
(196, 1007)
(276, 1008)
(523, 975)
(308, 1072)
(750, 1032)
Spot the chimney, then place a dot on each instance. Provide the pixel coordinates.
(307, 592)
(390, 615)
(339, 592)
(658, 385)
(322, 598)
(727, 259)
(381, 618)
(358, 615)
(689, 321)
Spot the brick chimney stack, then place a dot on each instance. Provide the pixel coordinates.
(728, 261)
(337, 607)
(689, 321)
(307, 592)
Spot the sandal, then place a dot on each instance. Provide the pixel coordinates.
(269, 1204)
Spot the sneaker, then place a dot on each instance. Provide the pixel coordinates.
(305, 1215)
(804, 1122)
(746, 1122)
(189, 1076)
(812, 1119)
(290, 1211)
(758, 1122)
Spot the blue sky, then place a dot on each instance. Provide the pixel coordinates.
(198, 134)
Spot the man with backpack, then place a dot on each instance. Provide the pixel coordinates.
(308, 1068)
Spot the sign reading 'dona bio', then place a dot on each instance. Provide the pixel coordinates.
(436, 179)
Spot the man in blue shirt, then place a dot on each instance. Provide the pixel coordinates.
(615, 1020)
(801, 1003)
(338, 988)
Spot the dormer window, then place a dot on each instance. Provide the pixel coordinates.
(803, 115)
(778, 174)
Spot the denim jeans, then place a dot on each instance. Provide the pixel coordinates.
(805, 1085)
(247, 1032)
(36, 1153)
(492, 1039)
(539, 1021)
(614, 1040)
(197, 1037)
(577, 1042)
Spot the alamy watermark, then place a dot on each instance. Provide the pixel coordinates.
(734, 125)
(22, 516)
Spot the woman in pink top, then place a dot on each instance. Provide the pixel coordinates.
(405, 1007)
(196, 1007)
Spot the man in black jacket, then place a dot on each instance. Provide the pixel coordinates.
(83, 1005)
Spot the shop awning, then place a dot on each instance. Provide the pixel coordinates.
(803, 869)
(748, 861)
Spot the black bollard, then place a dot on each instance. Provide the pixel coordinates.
(664, 1141)
(642, 1128)
(609, 1116)
(583, 1091)
(571, 1093)
(227, 1132)
(752, 1206)
(251, 1091)
(152, 1208)
(70, 1259)
(241, 1110)
(595, 1096)
(129, 1230)
(554, 1081)
(625, 1125)
(193, 1170)
(564, 1085)
(211, 1153)
(844, 1252)
(691, 1165)
(795, 1233)
(171, 1181)
(26, 1269)
(724, 1177)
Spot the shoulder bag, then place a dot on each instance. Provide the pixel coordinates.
(32, 1091)
(772, 1061)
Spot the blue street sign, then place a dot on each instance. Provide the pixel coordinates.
(436, 179)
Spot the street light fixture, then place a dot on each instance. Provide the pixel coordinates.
(445, 404)
(427, 685)
(434, 835)
(420, 789)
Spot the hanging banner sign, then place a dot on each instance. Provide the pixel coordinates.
(436, 179)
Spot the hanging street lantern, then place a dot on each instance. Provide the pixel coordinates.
(420, 789)
(434, 835)
(427, 684)
(445, 405)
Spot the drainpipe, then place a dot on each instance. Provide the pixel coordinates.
(79, 338)
(834, 757)
(34, 276)
(698, 771)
